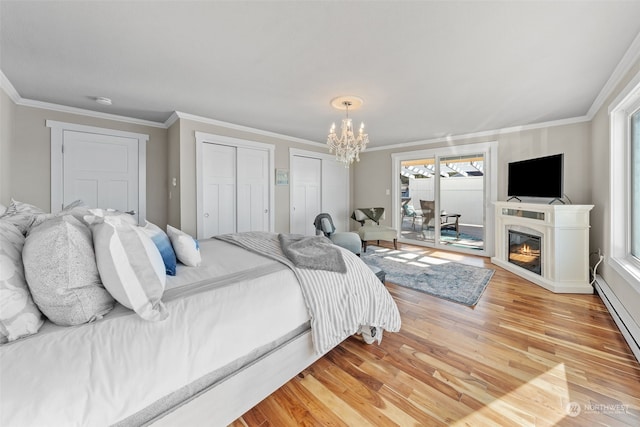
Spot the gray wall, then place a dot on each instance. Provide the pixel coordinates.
(372, 177)
(187, 168)
(600, 183)
(30, 152)
(173, 137)
(7, 117)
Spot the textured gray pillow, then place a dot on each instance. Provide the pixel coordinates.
(60, 268)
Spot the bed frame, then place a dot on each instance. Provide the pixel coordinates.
(231, 397)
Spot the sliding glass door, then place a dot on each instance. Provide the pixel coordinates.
(444, 197)
(462, 201)
(417, 207)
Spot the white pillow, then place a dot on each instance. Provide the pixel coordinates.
(130, 266)
(360, 216)
(78, 209)
(186, 247)
(21, 215)
(19, 316)
(60, 268)
(104, 213)
(326, 226)
(3, 209)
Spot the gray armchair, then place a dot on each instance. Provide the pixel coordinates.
(324, 226)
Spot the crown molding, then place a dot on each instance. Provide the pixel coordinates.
(88, 113)
(18, 100)
(483, 134)
(227, 125)
(631, 56)
(171, 120)
(11, 91)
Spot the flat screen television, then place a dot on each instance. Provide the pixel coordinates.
(539, 177)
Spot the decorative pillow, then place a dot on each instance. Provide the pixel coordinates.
(409, 210)
(77, 208)
(104, 213)
(61, 271)
(186, 247)
(359, 215)
(162, 242)
(130, 266)
(326, 226)
(21, 215)
(19, 316)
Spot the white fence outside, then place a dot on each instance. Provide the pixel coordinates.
(462, 195)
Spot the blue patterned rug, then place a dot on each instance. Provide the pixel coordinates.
(439, 277)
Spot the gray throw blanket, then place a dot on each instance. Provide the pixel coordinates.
(338, 304)
(314, 252)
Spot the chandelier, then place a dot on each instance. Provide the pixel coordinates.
(347, 146)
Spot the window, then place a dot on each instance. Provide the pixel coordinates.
(635, 184)
(625, 183)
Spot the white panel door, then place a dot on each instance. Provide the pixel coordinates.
(101, 170)
(335, 193)
(253, 190)
(307, 178)
(219, 189)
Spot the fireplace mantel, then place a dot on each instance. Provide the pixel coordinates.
(565, 243)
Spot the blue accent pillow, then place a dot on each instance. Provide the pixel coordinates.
(162, 242)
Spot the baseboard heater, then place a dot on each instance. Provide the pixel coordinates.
(628, 327)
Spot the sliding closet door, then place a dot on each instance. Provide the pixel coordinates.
(253, 190)
(335, 193)
(219, 190)
(234, 179)
(306, 175)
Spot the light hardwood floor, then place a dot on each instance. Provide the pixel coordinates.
(522, 356)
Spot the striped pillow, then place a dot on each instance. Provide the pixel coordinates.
(130, 266)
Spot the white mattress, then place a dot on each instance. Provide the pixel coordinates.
(104, 372)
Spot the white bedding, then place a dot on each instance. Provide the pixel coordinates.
(130, 363)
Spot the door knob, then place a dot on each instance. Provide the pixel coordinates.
(206, 215)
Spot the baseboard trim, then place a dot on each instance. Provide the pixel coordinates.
(628, 327)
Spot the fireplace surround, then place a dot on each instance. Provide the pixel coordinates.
(560, 261)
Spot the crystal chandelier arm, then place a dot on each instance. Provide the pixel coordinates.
(347, 147)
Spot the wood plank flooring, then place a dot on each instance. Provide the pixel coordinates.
(522, 356)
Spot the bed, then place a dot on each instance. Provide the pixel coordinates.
(239, 327)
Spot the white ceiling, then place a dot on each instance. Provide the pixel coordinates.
(424, 69)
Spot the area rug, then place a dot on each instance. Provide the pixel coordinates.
(439, 277)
